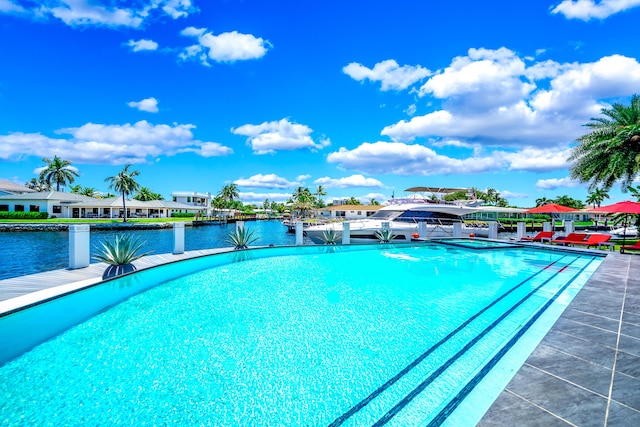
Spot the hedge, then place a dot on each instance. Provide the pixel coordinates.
(24, 215)
(183, 214)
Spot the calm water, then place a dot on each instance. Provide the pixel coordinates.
(244, 343)
(23, 253)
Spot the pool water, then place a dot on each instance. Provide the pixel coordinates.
(334, 336)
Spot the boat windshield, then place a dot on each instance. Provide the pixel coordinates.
(387, 214)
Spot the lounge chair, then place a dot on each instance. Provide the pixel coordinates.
(547, 235)
(634, 247)
(594, 239)
(570, 238)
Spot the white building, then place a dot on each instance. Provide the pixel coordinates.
(8, 187)
(193, 198)
(348, 211)
(70, 205)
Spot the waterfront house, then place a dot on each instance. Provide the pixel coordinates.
(193, 198)
(70, 205)
(8, 187)
(347, 212)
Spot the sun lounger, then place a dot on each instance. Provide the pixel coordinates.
(543, 235)
(595, 239)
(635, 247)
(570, 238)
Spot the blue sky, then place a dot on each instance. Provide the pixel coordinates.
(366, 98)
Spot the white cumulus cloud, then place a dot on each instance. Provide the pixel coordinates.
(554, 183)
(389, 73)
(110, 144)
(269, 137)
(349, 182)
(150, 105)
(226, 47)
(142, 44)
(265, 181)
(586, 10)
(259, 198)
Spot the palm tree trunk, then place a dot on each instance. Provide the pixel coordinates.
(124, 209)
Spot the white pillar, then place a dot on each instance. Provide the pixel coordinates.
(522, 230)
(569, 227)
(346, 233)
(299, 233)
(178, 238)
(239, 224)
(493, 230)
(457, 229)
(546, 226)
(422, 229)
(79, 246)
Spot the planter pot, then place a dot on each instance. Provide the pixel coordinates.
(117, 270)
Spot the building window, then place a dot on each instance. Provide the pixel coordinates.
(57, 209)
(34, 208)
(18, 208)
(188, 199)
(4, 208)
(174, 198)
(340, 213)
(359, 213)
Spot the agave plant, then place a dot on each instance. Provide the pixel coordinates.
(330, 237)
(119, 254)
(385, 235)
(241, 238)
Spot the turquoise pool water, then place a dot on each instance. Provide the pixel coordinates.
(377, 335)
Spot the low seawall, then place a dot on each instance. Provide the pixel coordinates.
(6, 227)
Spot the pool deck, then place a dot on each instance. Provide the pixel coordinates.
(585, 372)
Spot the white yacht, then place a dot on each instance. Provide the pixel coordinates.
(403, 219)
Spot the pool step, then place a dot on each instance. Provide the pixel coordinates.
(423, 388)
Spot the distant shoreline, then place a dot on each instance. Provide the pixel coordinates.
(25, 226)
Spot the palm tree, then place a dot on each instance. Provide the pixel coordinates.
(543, 201)
(352, 201)
(38, 184)
(124, 183)
(145, 194)
(611, 151)
(374, 202)
(228, 193)
(75, 189)
(88, 191)
(320, 191)
(492, 196)
(596, 197)
(58, 171)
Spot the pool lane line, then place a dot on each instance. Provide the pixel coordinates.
(466, 390)
(364, 402)
(435, 374)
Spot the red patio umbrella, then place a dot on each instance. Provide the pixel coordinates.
(551, 208)
(627, 207)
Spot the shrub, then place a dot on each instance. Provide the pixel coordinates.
(183, 215)
(24, 215)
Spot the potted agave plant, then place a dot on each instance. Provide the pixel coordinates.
(240, 238)
(119, 254)
(330, 237)
(385, 235)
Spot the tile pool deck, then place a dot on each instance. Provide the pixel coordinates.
(586, 371)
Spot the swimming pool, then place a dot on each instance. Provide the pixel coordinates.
(361, 335)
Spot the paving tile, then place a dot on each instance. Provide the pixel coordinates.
(620, 415)
(626, 390)
(592, 319)
(589, 375)
(629, 345)
(586, 332)
(628, 364)
(580, 348)
(510, 410)
(631, 317)
(630, 329)
(559, 397)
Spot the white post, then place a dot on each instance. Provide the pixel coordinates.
(493, 230)
(346, 233)
(422, 229)
(546, 226)
(522, 230)
(569, 227)
(457, 229)
(239, 224)
(178, 238)
(79, 247)
(299, 233)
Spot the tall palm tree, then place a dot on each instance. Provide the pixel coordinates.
(596, 197)
(611, 151)
(543, 201)
(374, 202)
(58, 171)
(228, 193)
(38, 184)
(124, 182)
(320, 191)
(145, 194)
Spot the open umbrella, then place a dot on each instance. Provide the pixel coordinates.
(627, 207)
(551, 208)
